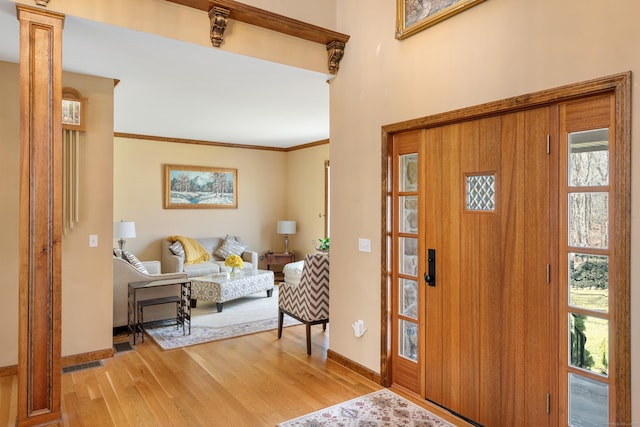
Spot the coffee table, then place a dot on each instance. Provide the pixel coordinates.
(219, 289)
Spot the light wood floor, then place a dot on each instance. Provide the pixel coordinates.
(255, 380)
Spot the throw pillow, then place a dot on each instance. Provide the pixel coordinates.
(177, 249)
(229, 246)
(133, 260)
(117, 252)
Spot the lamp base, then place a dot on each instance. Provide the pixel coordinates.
(286, 244)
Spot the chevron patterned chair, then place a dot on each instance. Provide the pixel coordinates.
(308, 301)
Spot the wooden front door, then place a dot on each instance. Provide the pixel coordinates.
(487, 247)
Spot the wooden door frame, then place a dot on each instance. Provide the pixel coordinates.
(618, 84)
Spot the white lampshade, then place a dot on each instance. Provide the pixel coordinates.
(286, 227)
(124, 229)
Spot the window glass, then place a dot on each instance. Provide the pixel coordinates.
(409, 172)
(409, 298)
(589, 220)
(409, 340)
(589, 281)
(408, 255)
(408, 214)
(588, 402)
(589, 343)
(589, 158)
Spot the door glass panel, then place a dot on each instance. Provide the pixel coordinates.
(589, 158)
(588, 402)
(409, 340)
(408, 255)
(589, 220)
(409, 298)
(481, 192)
(589, 281)
(409, 172)
(589, 343)
(408, 214)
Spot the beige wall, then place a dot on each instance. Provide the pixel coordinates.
(139, 189)
(492, 51)
(86, 272)
(270, 184)
(305, 197)
(9, 199)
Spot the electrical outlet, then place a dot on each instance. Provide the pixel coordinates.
(93, 241)
(364, 245)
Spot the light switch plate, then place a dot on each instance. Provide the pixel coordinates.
(364, 245)
(93, 241)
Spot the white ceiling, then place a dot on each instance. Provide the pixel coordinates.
(173, 89)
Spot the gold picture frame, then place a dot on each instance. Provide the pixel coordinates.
(74, 110)
(200, 187)
(413, 16)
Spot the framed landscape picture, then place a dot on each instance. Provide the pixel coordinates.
(413, 16)
(200, 187)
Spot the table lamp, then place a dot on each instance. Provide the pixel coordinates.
(124, 230)
(286, 228)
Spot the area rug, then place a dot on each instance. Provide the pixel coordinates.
(377, 409)
(243, 316)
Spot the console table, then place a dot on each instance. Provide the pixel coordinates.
(278, 259)
(136, 308)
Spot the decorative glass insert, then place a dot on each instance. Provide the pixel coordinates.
(408, 255)
(409, 298)
(589, 281)
(408, 214)
(409, 340)
(589, 158)
(409, 172)
(481, 192)
(589, 220)
(588, 402)
(589, 343)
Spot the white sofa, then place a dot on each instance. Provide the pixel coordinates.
(172, 263)
(125, 273)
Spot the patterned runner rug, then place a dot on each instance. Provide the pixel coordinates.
(377, 409)
(243, 316)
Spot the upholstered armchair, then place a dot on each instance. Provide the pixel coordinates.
(307, 301)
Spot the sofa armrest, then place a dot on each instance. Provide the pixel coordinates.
(153, 267)
(171, 263)
(252, 257)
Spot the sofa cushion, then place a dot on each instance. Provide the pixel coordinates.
(229, 246)
(134, 261)
(194, 251)
(177, 249)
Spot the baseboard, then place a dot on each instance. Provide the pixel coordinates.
(354, 366)
(91, 356)
(76, 359)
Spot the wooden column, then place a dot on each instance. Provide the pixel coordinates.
(39, 337)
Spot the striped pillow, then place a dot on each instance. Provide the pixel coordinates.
(177, 249)
(133, 260)
(229, 246)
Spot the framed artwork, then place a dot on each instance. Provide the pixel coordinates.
(200, 187)
(74, 109)
(413, 16)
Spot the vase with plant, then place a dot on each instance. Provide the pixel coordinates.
(235, 262)
(323, 244)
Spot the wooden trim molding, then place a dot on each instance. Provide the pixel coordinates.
(76, 359)
(353, 366)
(217, 144)
(220, 11)
(40, 226)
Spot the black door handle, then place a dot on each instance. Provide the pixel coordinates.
(430, 276)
